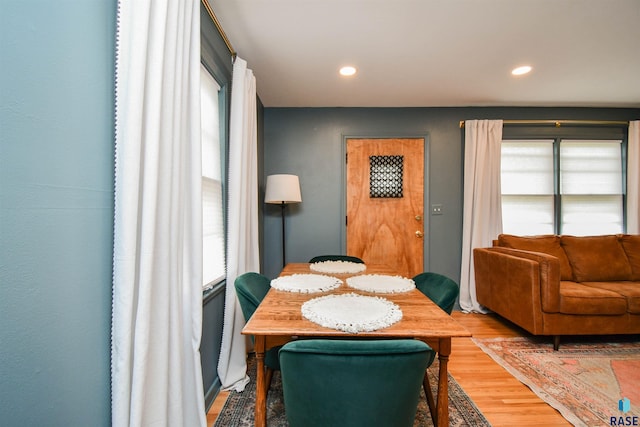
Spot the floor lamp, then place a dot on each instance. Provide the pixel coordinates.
(281, 190)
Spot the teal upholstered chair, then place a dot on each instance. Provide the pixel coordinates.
(251, 289)
(444, 292)
(439, 289)
(352, 382)
(321, 258)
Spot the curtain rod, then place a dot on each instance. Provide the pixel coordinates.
(558, 123)
(214, 18)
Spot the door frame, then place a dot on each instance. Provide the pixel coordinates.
(426, 259)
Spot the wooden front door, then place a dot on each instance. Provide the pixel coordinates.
(385, 193)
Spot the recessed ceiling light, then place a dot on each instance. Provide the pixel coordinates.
(347, 71)
(521, 70)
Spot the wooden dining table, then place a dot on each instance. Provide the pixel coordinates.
(278, 320)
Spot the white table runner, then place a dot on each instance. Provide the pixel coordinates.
(380, 283)
(337, 267)
(306, 283)
(352, 312)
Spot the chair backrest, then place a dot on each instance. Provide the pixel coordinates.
(321, 258)
(439, 289)
(251, 289)
(352, 382)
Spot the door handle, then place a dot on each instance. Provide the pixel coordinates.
(419, 234)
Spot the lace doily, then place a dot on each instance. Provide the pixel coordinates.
(306, 283)
(381, 284)
(337, 267)
(352, 312)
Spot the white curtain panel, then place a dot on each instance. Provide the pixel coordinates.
(157, 282)
(633, 178)
(242, 243)
(482, 217)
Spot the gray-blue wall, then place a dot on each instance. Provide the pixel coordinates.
(309, 142)
(56, 211)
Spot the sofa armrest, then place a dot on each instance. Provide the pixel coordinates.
(530, 278)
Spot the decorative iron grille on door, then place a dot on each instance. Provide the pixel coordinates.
(385, 176)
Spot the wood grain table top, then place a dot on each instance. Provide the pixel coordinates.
(280, 313)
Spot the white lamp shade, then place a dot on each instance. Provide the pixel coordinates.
(282, 188)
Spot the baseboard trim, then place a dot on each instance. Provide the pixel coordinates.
(211, 394)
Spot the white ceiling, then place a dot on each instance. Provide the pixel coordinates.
(438, 53)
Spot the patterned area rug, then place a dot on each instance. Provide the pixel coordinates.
(239, 407)
(585, 381)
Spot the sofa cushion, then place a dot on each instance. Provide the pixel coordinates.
(630, 290)
(631, 246)
(547, 244)
(596, 258)
(576, 298)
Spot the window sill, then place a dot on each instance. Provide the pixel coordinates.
(209, 294)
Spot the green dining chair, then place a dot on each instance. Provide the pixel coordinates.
(251, 288)
(444, 292)
(439, 289)
(352, 383)
(321, 258)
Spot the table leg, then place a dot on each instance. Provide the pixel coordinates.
(261, 386)
(442, 406)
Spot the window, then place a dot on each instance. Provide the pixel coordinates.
(562, 186)
(213, 243)
(591, 187)
(527, 182)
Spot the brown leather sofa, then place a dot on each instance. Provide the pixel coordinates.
(562, 285)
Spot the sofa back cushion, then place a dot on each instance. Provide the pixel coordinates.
(596, 258)
(547, 244)
(631, 246)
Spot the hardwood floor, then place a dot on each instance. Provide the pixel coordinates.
(503, 400)
(216, 407)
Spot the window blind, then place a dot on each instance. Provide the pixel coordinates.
(212, 208)
(527, 184)
(591, 187)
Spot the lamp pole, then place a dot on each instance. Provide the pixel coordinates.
(282, 205)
